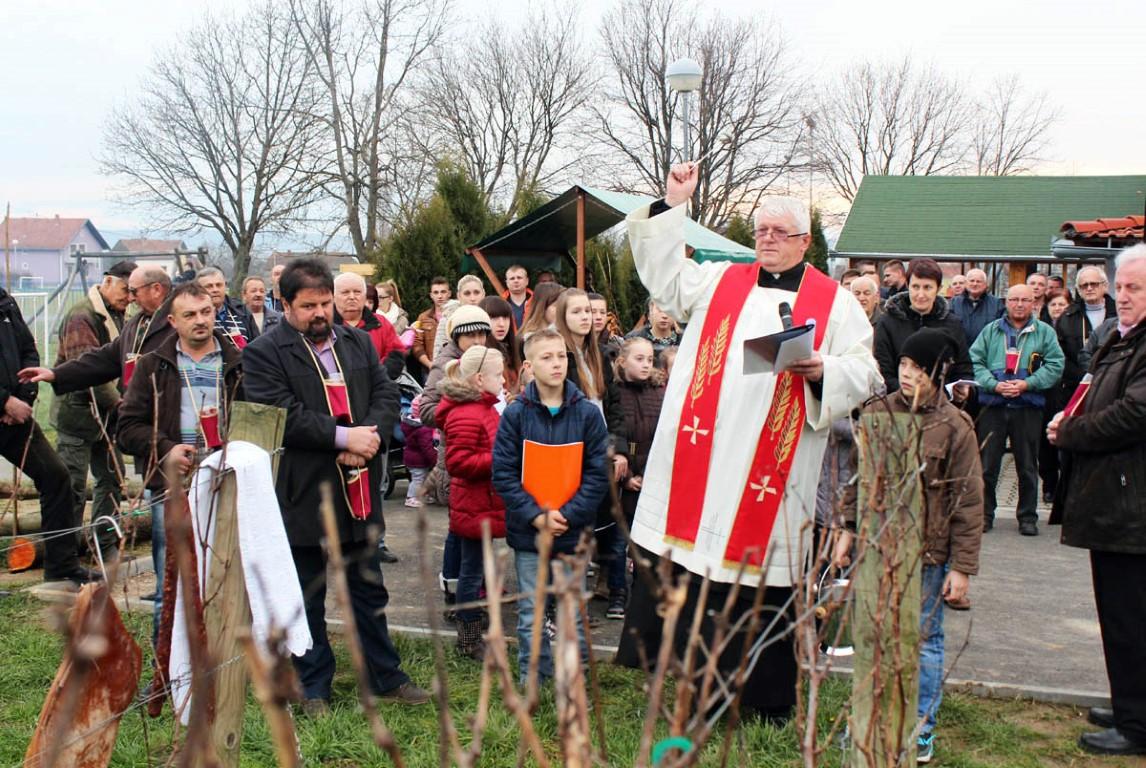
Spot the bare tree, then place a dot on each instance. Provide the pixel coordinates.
(748, 120)
(891, 120)
(219, 137)
(364, 57)
(507, 103)
(1011, 132)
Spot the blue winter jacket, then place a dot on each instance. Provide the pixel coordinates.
(526, 418)
(977, 315)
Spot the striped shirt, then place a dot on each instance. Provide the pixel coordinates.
(202, 385)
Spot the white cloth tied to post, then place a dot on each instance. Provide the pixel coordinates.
(273, 591)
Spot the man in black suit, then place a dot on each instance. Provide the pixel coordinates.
(23, 443)
(341, 408)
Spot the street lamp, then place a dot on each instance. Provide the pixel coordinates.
(683, 76)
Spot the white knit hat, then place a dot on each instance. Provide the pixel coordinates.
(467, 319)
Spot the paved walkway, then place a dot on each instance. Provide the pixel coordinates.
(1032, 631)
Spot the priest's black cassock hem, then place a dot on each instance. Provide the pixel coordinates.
(770, 689)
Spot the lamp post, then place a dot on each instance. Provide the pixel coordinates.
(683, 76)
(810, 122)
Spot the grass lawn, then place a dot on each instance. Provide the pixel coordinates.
(973, 732)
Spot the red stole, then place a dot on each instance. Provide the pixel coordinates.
(355, 482)
(776, 446)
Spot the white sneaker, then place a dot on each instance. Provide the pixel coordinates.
(413, 502)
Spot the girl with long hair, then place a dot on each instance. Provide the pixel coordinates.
(640, 385)
(504, 338)
(541, 310)
(574, 321)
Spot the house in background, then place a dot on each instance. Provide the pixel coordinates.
(41, 251)
(1007, 225)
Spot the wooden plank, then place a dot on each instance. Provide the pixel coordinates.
(483, 262)
(1017, 274)
(227, 614)
(263, 425)
(885, 687)
(226, 608)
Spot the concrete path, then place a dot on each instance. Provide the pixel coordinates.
(1032, 630)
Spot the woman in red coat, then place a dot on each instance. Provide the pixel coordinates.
(468, 416)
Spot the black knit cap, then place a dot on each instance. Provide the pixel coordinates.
(932, 350)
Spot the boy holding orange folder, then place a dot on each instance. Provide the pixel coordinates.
(549, 469)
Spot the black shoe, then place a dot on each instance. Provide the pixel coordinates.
(1110, 742)
(77, 575)
(1048, 497)
(988, 524)
(386, 556)
(1029, 528)
(616, 610)
(1103, 717)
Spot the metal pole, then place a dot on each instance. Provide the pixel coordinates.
(686, 104)
(8, 249)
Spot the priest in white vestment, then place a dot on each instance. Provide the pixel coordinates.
(741, 495)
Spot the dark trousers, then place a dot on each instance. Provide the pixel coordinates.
(1022, 426)
(368, 599)
(50, 477)
(78, 454)
(1120, 596)
(471, 574)
(771, 687)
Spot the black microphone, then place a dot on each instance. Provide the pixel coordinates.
(785, 314)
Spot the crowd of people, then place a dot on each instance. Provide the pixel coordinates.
(499, 391)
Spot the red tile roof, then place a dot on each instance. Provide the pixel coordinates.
(146, 245)
(43, 233)
(1122, 228)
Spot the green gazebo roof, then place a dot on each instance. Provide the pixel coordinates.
(547, 235)
(978, 216)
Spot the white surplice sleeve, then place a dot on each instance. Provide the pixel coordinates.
(676, 283)
(851, 374)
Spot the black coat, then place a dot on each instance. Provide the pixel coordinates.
(17, 351)
(610, 400)
(1074, 330)
(278, 370)
(900, 321)
(238, 315)
(1103, 506)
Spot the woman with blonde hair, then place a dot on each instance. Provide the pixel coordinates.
(390, 306)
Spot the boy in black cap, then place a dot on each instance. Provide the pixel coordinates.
(952, 502)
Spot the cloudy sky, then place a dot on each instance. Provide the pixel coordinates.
(64, 65)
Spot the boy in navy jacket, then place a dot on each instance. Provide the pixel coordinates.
(551, 411)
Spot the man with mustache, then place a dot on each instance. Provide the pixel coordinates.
(341, 410)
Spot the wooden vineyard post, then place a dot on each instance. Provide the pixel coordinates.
(890, 518)
(226, 611)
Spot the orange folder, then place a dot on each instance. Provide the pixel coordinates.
(551, 474)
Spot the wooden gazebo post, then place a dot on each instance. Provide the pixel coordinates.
(581, 238)
(480, 258)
